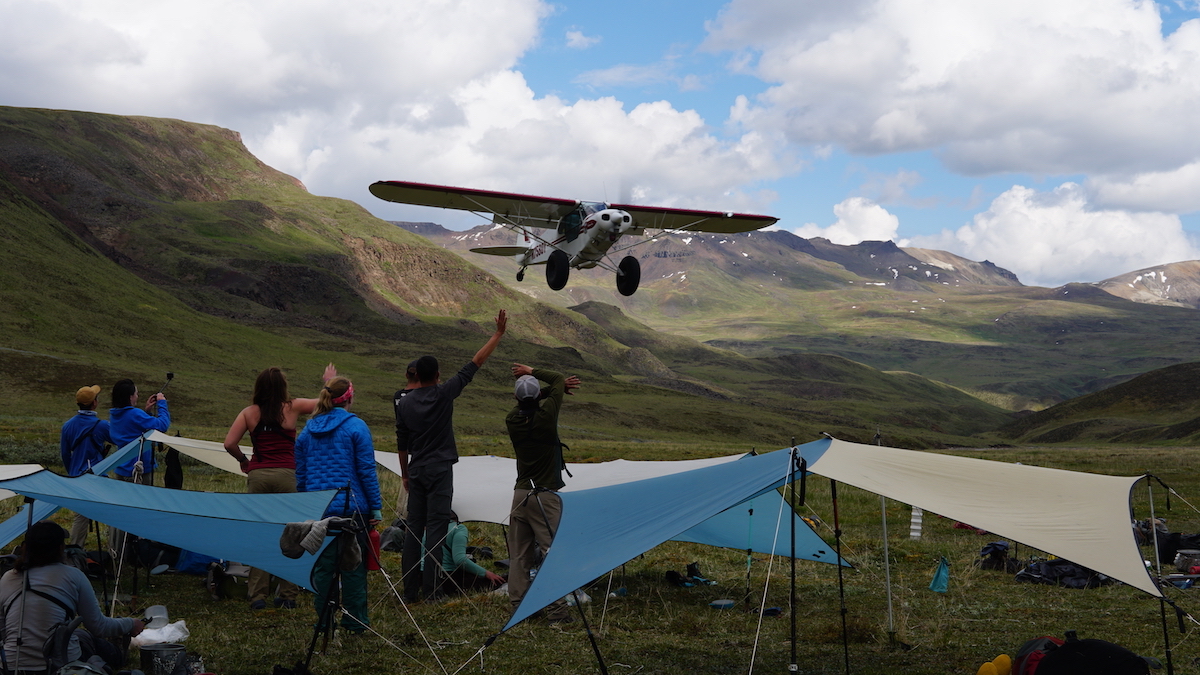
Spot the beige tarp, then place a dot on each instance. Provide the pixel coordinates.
(1082, 517)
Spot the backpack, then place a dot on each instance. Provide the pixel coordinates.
(1050, 656)
(76, 557)
(62, 645)
(994, 556)
(1030, 655)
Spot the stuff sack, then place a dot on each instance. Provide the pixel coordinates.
(190, 562)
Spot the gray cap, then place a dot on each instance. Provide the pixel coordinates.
(527, 388)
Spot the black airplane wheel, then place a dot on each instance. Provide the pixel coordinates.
(629, 276)
(558, 268)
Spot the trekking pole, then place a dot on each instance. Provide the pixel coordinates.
(578, 603)
(25, 576)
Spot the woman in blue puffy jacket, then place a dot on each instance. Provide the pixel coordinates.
(334, 452)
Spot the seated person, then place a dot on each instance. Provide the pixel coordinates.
(42, 592)
(463, 573)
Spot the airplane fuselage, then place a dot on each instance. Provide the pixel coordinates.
(585, 235)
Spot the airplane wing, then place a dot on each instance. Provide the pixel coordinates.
(696, 221)
(503, 204)
(500, 250)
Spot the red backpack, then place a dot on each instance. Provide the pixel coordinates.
(1031, 654)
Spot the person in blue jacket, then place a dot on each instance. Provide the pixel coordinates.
(335, 451)
(81, 445)
(127, 422)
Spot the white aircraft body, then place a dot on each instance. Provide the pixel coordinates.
(564, 233)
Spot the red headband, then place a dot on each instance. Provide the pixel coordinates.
(344, 397)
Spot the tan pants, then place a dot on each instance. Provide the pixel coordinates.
(269, 481)
(527, 526)
(116, 538)
(79, 531)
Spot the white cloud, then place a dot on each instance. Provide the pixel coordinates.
(1051, 238)
(341, 95)
(995, 85)
(858, 220)
(628, 75)
(577, 40)
(1176, 191)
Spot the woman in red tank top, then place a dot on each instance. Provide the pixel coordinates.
(271, 422)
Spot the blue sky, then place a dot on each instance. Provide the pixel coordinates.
(1058, 140)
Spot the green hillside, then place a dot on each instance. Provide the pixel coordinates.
(1159, 406)
(137, 246)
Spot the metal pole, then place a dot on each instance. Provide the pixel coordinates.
(578, 602)
(837, 536)
(792, 667)
(887, 559)
(1162, 604)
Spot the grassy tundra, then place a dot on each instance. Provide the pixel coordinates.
(658, 628)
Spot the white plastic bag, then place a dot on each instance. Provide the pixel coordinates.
(172, 632)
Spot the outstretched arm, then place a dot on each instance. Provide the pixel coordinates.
(485, 352)
(306, 406)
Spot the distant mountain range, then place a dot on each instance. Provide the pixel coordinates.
(971, 324)
(133, 246)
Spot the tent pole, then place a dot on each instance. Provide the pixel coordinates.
(887, 559)
(837, 537)
(578, 604)
(887, 572)
(792, 666)
(103, 567)
(1162, 604)
(749, 555)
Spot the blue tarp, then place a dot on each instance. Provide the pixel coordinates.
(15, 526)
(605, 527)
(240, 527)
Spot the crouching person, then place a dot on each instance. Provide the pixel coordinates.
(464, 574)
(41, 593)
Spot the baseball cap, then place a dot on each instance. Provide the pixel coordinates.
(86, 395)
(527, 388)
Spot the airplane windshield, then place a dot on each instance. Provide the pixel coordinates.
(571, 224)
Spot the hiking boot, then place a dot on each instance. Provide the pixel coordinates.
(285, 603)
(258, 604)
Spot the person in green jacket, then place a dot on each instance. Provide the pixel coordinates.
(463, 572)
(536, 508)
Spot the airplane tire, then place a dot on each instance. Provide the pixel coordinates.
(630, 275)
(558, 268)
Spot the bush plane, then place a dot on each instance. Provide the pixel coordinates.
(566, 233)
